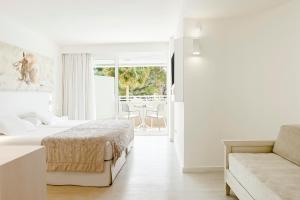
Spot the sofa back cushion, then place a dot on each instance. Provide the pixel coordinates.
(287, 144)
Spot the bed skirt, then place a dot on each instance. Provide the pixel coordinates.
(103, 179)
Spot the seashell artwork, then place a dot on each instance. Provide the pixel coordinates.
(27, 67)
(24, 70)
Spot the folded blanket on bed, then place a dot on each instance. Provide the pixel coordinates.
(82, 148)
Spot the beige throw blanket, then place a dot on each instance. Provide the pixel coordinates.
(82, 148)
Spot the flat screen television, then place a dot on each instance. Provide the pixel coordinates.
(173, 68)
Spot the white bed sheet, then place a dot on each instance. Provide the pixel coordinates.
(34, 137)
(67, 123)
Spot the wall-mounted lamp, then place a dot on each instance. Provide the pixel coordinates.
(198, 30)
(196, 47)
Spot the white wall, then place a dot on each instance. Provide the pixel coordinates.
(18, 35)
(111, 51)
(244, 85)
(105, 97)
(179, 132)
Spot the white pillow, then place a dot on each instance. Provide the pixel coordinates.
(27, 125)
(33, 120)
(29, 114)
(13, 124)
(31, 117)
(46, 118)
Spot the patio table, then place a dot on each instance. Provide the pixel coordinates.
(142, 107)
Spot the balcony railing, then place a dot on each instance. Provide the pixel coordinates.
(144, 103)
(145, 98)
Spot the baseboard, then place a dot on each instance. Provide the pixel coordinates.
(202, 169)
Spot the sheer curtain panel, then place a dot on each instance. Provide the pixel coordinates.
(78, 93)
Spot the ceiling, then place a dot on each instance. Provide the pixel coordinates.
(96, 21)
(115, 21)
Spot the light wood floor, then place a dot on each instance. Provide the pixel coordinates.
(150, 173)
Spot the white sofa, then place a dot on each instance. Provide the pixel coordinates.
(264, 170)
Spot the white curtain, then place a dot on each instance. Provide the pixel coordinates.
(78, 93)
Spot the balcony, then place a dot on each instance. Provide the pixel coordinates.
(148, 112)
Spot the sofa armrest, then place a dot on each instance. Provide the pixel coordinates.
(246, 146)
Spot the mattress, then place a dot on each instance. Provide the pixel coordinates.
(67, 123)
(34, 137)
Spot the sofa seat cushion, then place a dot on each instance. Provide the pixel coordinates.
(287, 144)
(266, 176)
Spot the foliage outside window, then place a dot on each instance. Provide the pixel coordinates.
(138, 81)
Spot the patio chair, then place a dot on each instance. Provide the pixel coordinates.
(157, 114)
(131, 113)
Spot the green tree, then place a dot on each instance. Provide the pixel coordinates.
(155, 82)
(131, 78)
(138, 80)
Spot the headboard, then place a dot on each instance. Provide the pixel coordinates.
(18, 102)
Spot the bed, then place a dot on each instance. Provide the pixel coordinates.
(39, 101)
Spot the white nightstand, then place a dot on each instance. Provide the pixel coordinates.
(22, 173)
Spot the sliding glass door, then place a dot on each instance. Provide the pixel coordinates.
(143, 91)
